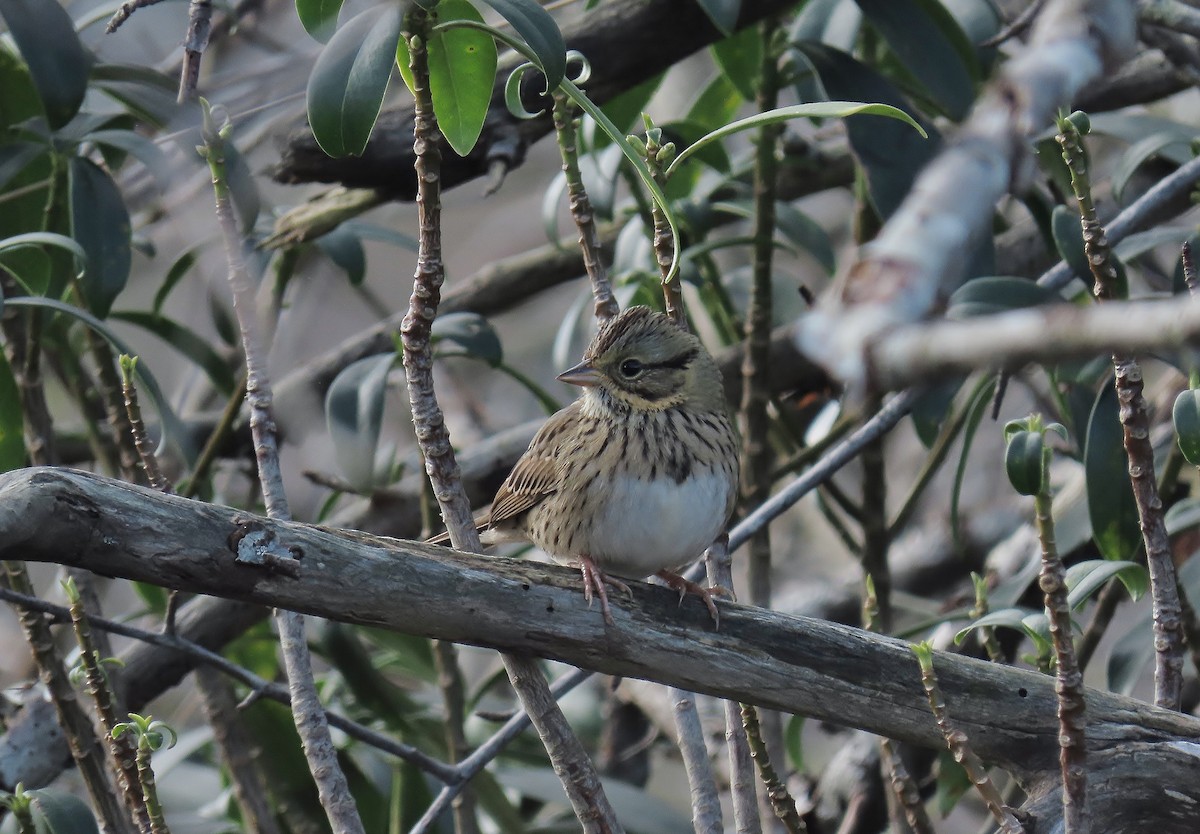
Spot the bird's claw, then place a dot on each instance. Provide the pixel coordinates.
(594, 581)
(687, 586)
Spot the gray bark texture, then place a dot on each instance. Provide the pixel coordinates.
(1144, 761)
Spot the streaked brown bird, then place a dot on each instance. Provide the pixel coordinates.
(636, 477)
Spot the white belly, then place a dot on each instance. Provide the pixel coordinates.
(646, 526)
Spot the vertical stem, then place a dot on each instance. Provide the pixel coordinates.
(307, 712)
(876, 538)
(581, 210)
(1135, 425)
(122, 748)
(706, 805)
(777, 793)
(194, 44)
(960, 747)
(1069, 680)
(237, 749)
(158, 824)
(567, 756)
(746, 819)
(76, 726)
(757, 455)
(450, 681)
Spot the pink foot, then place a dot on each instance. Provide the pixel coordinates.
(594, 580)
(687, 586)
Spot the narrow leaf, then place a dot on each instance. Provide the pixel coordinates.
(187, 342)
(100, 222)
(813, 110)
(462, 72)
(12, 422)
(354, 416)
(318, 17)
(1111, 506)
(350, 78)
(46, 38)
(539, 31)
(723, 14)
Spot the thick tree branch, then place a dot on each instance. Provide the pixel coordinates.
(787, 663)
(923, 248)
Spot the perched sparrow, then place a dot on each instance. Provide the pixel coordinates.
(637, 476)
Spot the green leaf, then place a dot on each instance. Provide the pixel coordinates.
(46, 38)
(462, 72)
(1068, 239)
(1085, 578)
(1134, 649)
(171, 423)
(1111, 507)
(146, 152)
(624, 110)
(723, 14)
(806, 234)
(813, 110)
(931, 407)
(997, 294)
(187, 342)
(318, 17)
(952, 783)
(350, 78)
(14, 158)
(12, 421)
(42, 239)
(931, 45)
(889, 152)
(473, 333)
(981, 399)
(183, 264)
(1024, 462)
(344, 248)
(740, 58)
(794, 742)
(354, 415)
(1186, 416)
(56, 812)
(716, 104)
(146, 93)
(100, 222)
(539, 31)
(1139, 153)
(1183, 515)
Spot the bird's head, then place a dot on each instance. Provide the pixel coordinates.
(642, 360)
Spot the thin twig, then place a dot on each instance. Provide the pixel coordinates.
(1071, 706)
(75, 724)
(194, 44)
(450, 681)
(567, 756)
(837, 457)
(121, 747)
(137, 427)
(706, 804)
(657, 157)
(904, 788)
(757, 454)
(1135, 424)
(741, 765)
(581, 210)
(126, 11)
(238, 749)
(956, 741)
(260, 686)
(1018, 25)
(477, 761)
(778, 795)
(307, 711)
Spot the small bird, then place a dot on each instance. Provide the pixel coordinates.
(636, 477)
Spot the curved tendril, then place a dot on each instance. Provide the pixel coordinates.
(512, 92)
(585, 67)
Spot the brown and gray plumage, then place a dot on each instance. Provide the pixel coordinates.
(637, 476)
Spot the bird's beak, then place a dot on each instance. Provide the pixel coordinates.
(583, 375)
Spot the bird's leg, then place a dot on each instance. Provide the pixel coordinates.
(595, 579)
(687, 586)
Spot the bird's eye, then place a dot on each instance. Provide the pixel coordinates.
(630, 368)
